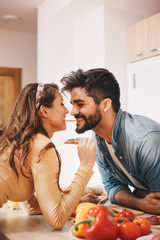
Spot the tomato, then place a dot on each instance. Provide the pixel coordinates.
(129, 231)
(144, 225)
(73, 214)
(121, 220)
(156, 237)
(127, 214)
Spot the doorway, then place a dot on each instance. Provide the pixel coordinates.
(10, 87)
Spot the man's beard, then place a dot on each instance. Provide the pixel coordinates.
(92, 121)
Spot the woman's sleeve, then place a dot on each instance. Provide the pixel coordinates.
(55, 205)
(31, 206)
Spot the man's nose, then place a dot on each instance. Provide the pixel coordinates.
(74, 111)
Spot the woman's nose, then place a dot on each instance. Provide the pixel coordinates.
(67, 111)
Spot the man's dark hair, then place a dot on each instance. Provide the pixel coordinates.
(98, 83)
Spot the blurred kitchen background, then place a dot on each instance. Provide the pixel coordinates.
(42, 40)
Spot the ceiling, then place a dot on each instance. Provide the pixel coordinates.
(27, 11)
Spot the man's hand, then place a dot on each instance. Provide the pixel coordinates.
(150, 203)
(140, 193)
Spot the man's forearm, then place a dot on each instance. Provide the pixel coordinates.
(150, 203)
(127, 199)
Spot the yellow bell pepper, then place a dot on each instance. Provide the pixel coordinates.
(81, 210)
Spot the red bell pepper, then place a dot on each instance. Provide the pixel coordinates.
(98, 224)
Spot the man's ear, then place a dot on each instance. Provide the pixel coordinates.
(43, 111)
(106, 104)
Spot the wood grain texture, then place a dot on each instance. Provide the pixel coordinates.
(15, 225)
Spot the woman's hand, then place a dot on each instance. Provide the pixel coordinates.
(87, 152)
(89, 197)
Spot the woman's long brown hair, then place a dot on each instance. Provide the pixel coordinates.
(24, 122)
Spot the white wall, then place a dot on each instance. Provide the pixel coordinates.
(115, 49)
(19, 50)
(89, 41)
(48, 26)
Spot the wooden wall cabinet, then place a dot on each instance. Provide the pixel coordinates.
(154, 35)
(144, 39)
(137, 44)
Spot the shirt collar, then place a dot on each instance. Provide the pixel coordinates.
(116, 130)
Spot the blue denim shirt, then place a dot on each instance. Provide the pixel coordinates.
(136, 141)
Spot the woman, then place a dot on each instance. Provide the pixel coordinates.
(29, 161)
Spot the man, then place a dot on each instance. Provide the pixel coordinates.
(128, 146)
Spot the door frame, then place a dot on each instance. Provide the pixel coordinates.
(16, 74)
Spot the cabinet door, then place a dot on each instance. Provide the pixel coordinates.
(6, 98)
(10, 86)
(154, 35)
(143, 88)
(131, 35)
(137, 41)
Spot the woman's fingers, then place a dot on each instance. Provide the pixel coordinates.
(86, 150)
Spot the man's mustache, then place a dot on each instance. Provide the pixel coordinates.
(80, 116)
